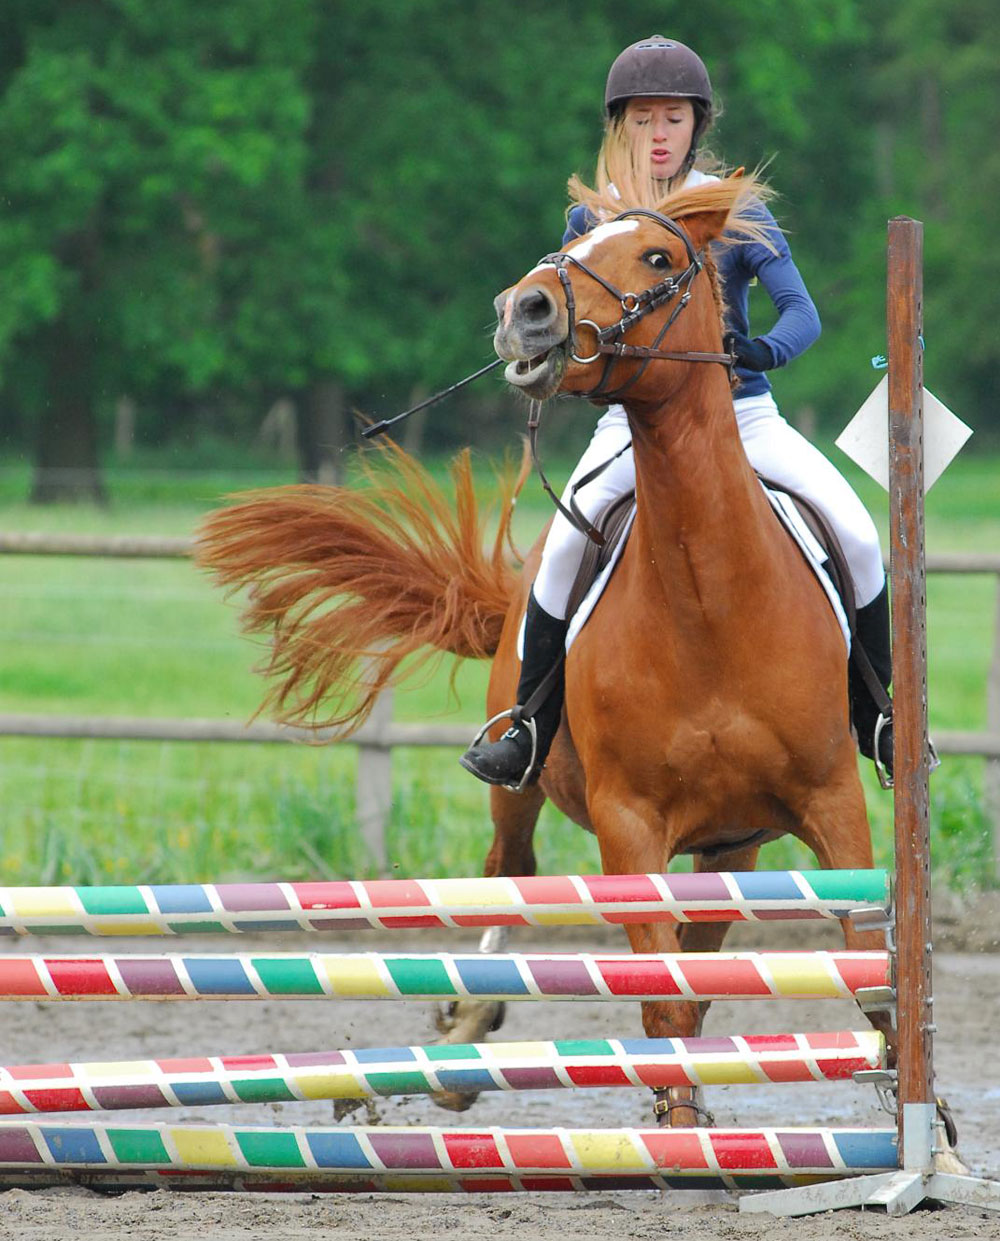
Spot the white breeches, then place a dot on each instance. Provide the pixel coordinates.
(775, 449)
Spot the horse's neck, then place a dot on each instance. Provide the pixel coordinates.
(703, 526)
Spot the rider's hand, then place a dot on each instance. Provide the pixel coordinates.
(752, 355)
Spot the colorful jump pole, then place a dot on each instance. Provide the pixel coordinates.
(444, 1160)
(447, 976)
(469, 1067)
(344, 905)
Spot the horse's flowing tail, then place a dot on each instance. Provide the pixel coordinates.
(348, 583)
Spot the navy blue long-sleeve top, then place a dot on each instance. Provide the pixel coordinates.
(797, 325)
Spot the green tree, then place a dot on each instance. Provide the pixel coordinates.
(939, 92)
(207, 207)
(141, 138)
(439, 148)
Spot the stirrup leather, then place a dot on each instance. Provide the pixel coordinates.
(512, 714)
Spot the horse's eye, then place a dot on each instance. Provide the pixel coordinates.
(658, 259)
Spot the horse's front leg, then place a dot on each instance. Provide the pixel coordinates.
(835, 826)
(684, 1105)
(512, 853)
(634, 839)
(675, 1106)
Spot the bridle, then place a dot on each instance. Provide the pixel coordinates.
(635, 306)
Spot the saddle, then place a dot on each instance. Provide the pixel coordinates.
(615, 523)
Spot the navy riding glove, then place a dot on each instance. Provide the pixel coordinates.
(752, 355)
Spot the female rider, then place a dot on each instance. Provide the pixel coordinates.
(658, 106)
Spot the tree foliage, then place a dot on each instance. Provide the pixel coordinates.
(205, 207)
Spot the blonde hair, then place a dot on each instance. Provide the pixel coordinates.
(622, 180)
(739, 195)
(623, 168)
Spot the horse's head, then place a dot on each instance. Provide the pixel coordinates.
(638, 280)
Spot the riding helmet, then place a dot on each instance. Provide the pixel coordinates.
(659, 66)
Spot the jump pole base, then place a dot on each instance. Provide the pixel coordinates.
(896, 1193)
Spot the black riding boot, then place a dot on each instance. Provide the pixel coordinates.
(506, 761)
(872, 634)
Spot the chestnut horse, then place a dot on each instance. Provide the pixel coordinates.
(706, 699)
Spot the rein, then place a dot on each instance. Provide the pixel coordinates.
(377, 428)
(635, 307)
(609, 343)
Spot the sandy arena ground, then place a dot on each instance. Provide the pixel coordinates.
(967, 1012)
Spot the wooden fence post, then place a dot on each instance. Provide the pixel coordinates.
(914, 992)
(374, 781)
(991, 777)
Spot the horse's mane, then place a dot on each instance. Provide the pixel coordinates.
(739, 194)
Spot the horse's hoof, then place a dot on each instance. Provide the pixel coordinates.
(468, 1021)
(948, 1160)
(445, 1016)
(498, 1020)
(453, 1100)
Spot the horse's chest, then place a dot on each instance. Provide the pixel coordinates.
(717, 755)
(676, 724)
(716, 746)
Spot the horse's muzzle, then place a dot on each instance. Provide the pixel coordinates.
(540, 376)
(531, 335)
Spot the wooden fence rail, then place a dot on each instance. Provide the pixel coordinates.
(154, 547)
(381, 734)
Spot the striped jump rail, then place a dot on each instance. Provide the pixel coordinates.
(379, 1072)
(442, 1160)
(437, 976)
(554, 900)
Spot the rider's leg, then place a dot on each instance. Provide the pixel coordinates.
(873, 634)
(506, 761)
(565, 544)
(778, 452)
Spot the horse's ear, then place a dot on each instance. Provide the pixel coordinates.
(705, 209)
(704, 226)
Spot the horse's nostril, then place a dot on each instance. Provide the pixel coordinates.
(536, 307)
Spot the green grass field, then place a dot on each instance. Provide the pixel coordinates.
(85, 636)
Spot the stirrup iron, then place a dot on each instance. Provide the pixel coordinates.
(885, 777)
(529, 724)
